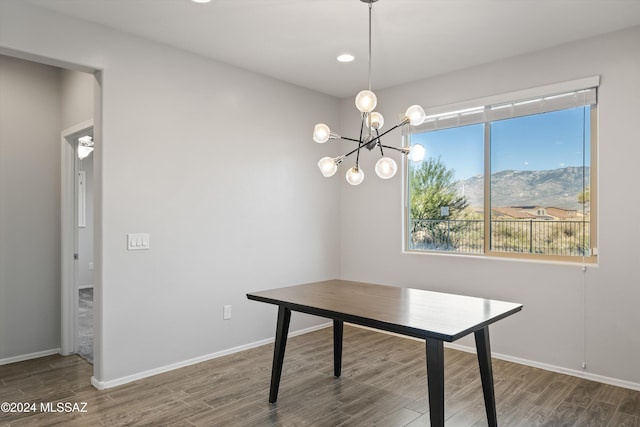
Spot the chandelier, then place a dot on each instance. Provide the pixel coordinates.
(370, 134)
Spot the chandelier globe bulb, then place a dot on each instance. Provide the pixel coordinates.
(386, 167)
(328, 166)
(355, 176)
(321, 133)
(366, 101)
(415, 114)
(375, 121)
(416, 153)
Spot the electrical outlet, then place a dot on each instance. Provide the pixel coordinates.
(226, 312)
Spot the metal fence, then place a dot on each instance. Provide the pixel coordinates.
(549, 237)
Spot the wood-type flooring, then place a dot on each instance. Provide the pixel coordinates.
(383, 383)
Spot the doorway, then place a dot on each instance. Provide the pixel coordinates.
(38, 244)
(78, 240)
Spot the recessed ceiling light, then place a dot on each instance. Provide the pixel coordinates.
(345, 57)
(201, 1)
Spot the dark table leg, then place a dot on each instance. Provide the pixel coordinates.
(486, 374)
(282, 330)
(435, 381)
(337, 347)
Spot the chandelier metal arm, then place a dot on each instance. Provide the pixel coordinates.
(403, 150)
(402, 123)
(349, 139)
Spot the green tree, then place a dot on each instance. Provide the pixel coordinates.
(433, 187)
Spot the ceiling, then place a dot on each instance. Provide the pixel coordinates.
(298, 40)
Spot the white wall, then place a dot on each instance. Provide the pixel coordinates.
(218, 165)
(30, 100)
(551, 327)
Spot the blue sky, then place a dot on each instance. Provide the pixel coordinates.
(538, 142)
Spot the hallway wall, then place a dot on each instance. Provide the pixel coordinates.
(30, 117)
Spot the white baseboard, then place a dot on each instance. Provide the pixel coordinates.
(559, 369)
(97, 384)
(29, 356)
(102, 385)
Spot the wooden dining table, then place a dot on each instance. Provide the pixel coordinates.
(435, 317)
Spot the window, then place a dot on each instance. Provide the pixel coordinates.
(508, 179)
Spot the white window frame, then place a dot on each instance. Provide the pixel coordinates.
(513, 104)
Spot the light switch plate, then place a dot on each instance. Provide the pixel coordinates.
(138, 242)
(226, 312)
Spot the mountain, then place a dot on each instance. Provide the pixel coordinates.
(549, 188)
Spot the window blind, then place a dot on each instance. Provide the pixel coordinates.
(537, 102)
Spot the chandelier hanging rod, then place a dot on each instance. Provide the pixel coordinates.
(370, 8)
